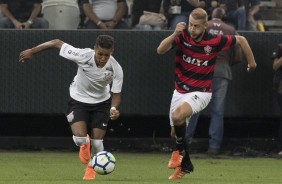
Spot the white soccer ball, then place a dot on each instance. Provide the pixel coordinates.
(104, 162)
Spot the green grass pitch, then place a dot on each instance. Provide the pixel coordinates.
(54, 167)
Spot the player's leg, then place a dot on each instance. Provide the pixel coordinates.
(96, 142)
(191, 103)
(98, 125)
(176, 157)
(81, 139)
(77, 117)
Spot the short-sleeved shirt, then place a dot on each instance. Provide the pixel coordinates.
(92, 84)
(195, 61)
(21, 9)
(104, 9)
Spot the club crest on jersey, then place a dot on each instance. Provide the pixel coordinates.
(207, 49)
(108, 76)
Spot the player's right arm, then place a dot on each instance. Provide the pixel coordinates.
(277, 63)
(166, 44)
(27, 54)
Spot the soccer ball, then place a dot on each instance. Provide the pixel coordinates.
(104, 162)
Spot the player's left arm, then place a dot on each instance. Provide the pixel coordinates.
(116, 100)
(242, 41)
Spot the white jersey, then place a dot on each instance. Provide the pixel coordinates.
(92, 84)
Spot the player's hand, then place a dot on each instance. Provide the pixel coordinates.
(25, 55)
(180, 27)
(251, 67)
(114, 113)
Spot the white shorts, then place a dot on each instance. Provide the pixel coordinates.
(197, 100)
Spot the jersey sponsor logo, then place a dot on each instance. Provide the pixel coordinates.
(194, 61)
(73, 53)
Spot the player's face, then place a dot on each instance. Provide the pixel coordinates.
(102, 56)
(196, 28)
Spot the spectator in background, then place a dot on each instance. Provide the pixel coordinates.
(209, 6)
(152, 19)
(221, 77)
(252, 7)
(177, 10)
(277, 67)
(236, 13)
(105, 14)
(22, 14)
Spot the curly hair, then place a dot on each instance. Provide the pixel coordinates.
(105, 41)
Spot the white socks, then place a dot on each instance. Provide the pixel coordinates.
(79, 141)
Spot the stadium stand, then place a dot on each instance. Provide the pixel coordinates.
(61, 14)
(270, 13)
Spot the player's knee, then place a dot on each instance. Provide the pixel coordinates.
(176, 119)
(79, 141)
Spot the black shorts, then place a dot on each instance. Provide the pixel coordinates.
(95, 115)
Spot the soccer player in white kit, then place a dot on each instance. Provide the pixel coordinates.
(92, 100)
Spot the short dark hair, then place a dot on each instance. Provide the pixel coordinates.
(218, 13)
(105, 41)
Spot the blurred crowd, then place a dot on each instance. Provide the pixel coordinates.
(120, 14)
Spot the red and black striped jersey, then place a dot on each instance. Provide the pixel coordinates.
(195, 61)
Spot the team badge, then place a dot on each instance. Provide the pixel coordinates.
(207, 49)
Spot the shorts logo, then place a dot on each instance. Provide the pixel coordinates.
(105, 124)
(195, 97)
(70, 117)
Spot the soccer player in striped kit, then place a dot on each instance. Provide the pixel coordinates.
(195, 59)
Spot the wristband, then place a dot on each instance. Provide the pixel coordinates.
(30, 22)
(99, 22)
